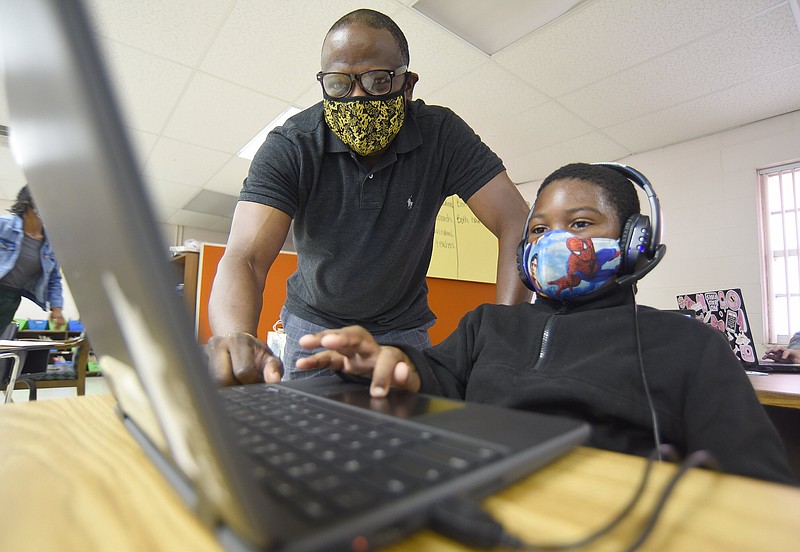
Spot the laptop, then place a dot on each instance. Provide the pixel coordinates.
(67, 134)
(724, 310)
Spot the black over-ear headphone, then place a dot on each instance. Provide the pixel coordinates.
(640, 241)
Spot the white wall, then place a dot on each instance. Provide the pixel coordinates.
(708, 189)
(177, 235)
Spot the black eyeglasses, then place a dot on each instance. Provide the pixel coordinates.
(375, 83)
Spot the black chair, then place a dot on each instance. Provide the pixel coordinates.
(32, 368)
(10, 331)
(70, 375)
(11, 366)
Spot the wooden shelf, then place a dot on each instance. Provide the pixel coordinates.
(55, 335)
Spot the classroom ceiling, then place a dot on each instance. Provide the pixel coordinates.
(197, 79)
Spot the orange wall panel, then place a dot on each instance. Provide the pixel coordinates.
(274, 291)
(449, 299)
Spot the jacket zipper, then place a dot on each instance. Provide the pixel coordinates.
(548, 326)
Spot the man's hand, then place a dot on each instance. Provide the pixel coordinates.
(353, 350)
(783, 355)
(240, 358)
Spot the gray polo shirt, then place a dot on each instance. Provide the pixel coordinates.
(364, 235)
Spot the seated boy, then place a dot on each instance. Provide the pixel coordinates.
(584, 349)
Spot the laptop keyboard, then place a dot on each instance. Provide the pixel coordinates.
(326, 460)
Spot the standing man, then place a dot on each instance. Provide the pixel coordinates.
(28, 265)
(363, 175)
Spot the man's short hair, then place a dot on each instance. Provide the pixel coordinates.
(618, 190)
(375, 20)
(23, 202)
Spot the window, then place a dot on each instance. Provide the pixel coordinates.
(780, 207)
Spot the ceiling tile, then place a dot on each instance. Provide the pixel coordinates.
(143, 144)
(184, 163)
(220, 115)
(724, 59)
(480, 107)
(603, 37)
(163, 213)
(212, 203)
(273, 46)
(437, 55)
(492, 26)
(537, 128)
(726, 109)
(229, 179)
(148, 87)
(590, 148)
(179, 30)
(170, 195)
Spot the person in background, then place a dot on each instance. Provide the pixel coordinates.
(28, 265)
(790, 354)
(362, 176)
(584, 348)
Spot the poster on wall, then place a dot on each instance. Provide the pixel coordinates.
(463, 248)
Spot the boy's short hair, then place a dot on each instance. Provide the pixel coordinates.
(618, 190)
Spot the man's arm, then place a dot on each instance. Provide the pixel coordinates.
(235, 355)
(502, 209)
(55, 289)
(257, 234)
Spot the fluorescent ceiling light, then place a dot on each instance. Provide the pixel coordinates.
(249, 151)
(491, 25)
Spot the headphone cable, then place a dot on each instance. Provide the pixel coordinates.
(653, 416)
(462, 519)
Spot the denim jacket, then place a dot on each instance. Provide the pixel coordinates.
(47, 287)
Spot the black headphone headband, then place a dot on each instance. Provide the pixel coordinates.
(640, 241)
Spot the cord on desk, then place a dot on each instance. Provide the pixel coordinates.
(463, 520)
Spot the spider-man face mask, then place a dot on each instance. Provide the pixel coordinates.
(562, 266)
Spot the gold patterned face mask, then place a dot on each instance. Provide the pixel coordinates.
(365, 125)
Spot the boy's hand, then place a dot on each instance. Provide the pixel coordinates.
(783, 355)
(353, 350)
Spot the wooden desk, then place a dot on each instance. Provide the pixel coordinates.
(72, 479)
(778, 389)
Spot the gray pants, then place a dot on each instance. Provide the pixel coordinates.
(295, 328)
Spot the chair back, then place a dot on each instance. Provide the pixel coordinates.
(10, 331)
(6, 361)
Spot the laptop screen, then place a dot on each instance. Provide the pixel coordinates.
(723, 310)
